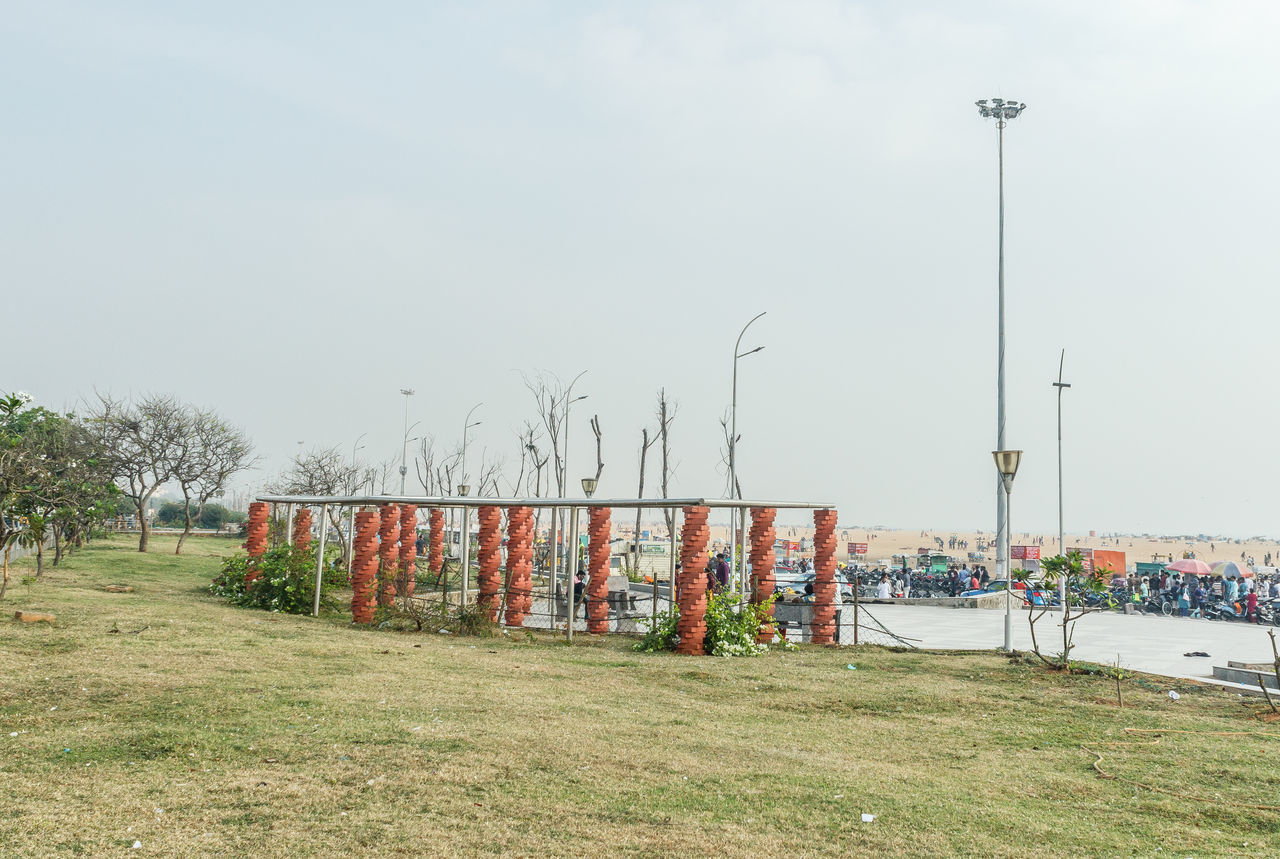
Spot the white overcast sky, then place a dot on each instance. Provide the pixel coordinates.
(290, 210)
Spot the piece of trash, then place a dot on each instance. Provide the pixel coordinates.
(1173, 696)
(852, 667)
(51, 709)
(1196, 653)
(66, 750)
(839, 796)
(136, 845)
(13, 733)
(867, 818)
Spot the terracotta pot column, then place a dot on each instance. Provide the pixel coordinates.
(825, 593)
(408, 548)
(435, 539)
(599, 529)
(364, 565)
(692, 624)
(519, 564)
(302, 529)
(255, 543)
(762, 536)
(389, 553)
(489, 558)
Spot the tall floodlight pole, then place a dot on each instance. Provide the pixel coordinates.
(404, 446)
(1006, 464)
(1002, 111)
(735, 513)
(1062, 551)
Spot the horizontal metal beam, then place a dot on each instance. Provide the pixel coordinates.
(469, 502)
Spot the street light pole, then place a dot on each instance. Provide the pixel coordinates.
(408, 392)
(734, 512)
(1062, 580)
(1007, 466)
(1002, 111)
(571, 553)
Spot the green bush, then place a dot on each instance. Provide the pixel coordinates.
(286, 581)
(731, 628)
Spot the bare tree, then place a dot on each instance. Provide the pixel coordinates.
(548, 394)
(595, 430)
(324, 471)
(735, 491)
(142, 443)
(667, 414)
(216, 452)
(645, 444)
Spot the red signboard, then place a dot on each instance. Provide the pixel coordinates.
(1018, 553)
(857, 548)
(1032, 553)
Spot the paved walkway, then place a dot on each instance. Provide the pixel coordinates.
(1143, 642)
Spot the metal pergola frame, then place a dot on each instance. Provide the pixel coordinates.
(467, 503)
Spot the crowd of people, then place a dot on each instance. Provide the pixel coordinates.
(1195, 595)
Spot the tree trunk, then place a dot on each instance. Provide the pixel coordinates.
(142, 523)
(40, 554)
(186, 529)
(57, 543)
(4, 583)
(635, 543)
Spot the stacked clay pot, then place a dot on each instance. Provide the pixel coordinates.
(763, 559)
(256, 530)
(408, 548)
(389, 554)
(489, 558)
(692, 624)
(302, 529)
(364, 566)
(519, 564)
(435, 542)
(825, 591)
(599, 530)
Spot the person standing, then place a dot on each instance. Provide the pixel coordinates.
(883, 588)
(722, 572)
(906, 583)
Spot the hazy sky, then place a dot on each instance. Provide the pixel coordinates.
(288, 211)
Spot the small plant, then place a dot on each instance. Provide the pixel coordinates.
(285, 582)
(1079, 587)
(731, 628)
(1118, 673)
(661, 634)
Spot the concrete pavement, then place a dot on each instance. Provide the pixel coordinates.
(1153, 644)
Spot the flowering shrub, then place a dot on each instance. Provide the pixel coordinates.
(731, 628)
(286, 581)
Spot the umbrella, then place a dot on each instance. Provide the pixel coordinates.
(1191, 565)
(1231, 570)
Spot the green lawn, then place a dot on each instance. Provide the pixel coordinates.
(203, 729)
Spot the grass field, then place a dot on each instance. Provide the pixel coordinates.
(202, 729)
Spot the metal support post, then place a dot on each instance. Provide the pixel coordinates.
(324, 534)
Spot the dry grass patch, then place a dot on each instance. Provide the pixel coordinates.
(217, 730)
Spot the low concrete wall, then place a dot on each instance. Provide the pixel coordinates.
(995, 600)
(1247, 676)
